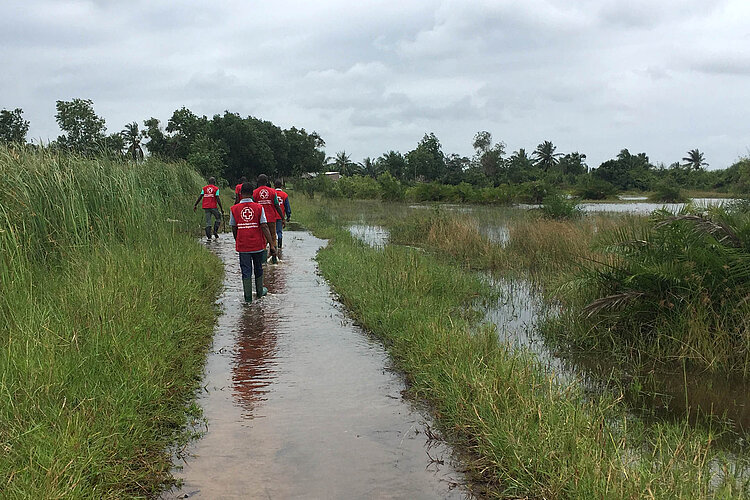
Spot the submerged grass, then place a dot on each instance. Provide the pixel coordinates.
(526, 434)
(107, 308)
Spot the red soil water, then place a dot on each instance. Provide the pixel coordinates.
(301, 403)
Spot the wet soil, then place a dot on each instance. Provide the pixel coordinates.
(301, 403)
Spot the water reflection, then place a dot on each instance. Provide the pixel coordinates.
(254, 362)
(645, 208)
(662, 391)
(375, 236)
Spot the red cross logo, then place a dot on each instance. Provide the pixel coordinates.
(264, 194)
(247, 214)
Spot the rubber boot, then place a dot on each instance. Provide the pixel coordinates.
(216, 229)
(247, 288)
(279, 244)
(208, 232)
(260, 290)
(274, 259)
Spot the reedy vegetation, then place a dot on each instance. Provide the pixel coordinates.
(676, 289)
(524, 433)
(106, 310)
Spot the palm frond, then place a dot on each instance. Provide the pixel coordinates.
(611, 302)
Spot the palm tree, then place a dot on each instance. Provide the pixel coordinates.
(545, 156)
(343, 164)
(132, 137)
(370, 167)
(695, 160)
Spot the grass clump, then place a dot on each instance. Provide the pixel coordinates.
(557, 206)
(107, 308)
(526, 434)
(676, 289)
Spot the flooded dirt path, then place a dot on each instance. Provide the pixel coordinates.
(301, 403)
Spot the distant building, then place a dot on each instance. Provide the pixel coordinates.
(334, 176)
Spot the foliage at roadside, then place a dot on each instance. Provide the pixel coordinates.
(106, 311)
(525, 434)
(678, 289)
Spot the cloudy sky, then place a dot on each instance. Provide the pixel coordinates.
(596, 76)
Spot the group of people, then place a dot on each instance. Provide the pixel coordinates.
(257, 219)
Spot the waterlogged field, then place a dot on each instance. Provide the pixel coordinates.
(106, 310)
(539, 416)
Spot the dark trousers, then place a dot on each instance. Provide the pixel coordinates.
(249, 262)
(278, 230)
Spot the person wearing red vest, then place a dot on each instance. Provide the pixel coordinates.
(286, 211)
(210, 196)
(237, 189)
(248, 222)
(266, 196)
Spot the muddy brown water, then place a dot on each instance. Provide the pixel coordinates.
(301, 403)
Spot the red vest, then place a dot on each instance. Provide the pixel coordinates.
(209, 196)
(282, 198)
(249, 233)
(266, 196)
(237, 190)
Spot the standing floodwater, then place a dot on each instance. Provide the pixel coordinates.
(300, 403)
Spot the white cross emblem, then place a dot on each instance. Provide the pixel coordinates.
(247, 214)
(264, 194)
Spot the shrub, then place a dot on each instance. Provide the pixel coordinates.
(667, 191)
(593, 188)
(390, 187)
(676, 289)
(557, 206)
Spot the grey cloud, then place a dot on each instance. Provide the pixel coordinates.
(591, 75)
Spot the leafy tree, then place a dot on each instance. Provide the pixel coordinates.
(520, 166)
(305, 151)
(489, 157)
(394, 163)
(545, 156)
(627, 171)
(573, 164)
(694, 160)
(83, 130)
(207, 156)
(370, 167)
(185, 126)
(113, 145)
(246, 145)
(427, 161)
(13, 128)
(455, 166)
(132, 136)
(159, 144)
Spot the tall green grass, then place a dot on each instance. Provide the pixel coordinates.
(525, 434)
(105, 315)
(677, 289)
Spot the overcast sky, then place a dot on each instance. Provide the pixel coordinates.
(595, 76)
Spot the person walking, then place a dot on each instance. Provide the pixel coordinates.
(266, 196)
(237, 189)
(210, 196)
(286, 211)
(250, 230)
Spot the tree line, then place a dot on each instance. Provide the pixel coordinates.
(228, 146)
